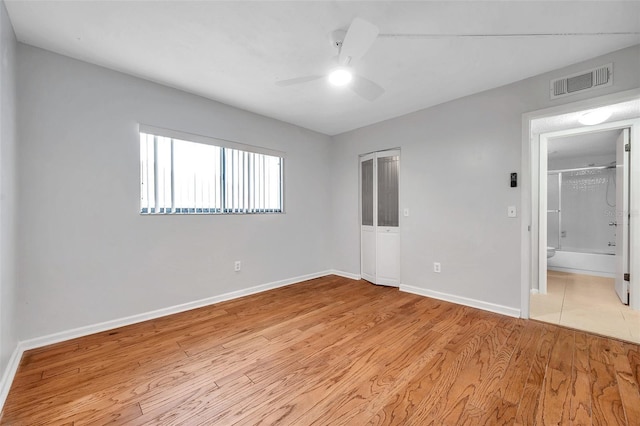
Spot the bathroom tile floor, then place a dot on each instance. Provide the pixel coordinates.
(588, 303)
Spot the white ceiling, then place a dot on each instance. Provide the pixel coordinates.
(584, 145)
(235, 51)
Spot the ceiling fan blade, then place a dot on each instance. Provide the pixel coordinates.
(299, 80)
(366, 88)
(360, 36)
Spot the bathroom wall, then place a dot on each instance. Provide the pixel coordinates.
(588, 205)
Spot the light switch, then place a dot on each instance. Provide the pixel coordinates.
(406, 212)
(511, 211)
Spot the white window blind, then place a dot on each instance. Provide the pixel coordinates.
(185, 177)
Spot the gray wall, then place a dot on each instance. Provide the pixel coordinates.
(8, 324)
(87, 256)
(455, 165)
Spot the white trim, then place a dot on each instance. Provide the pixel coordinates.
(534, 291)
(634, 224)
(9, 373)
(527, 227)
(542, 212)
(581, 271)
(530, 179)
(208, 140)
(633, 124)
(133, 319)
(345, 274)
(474, 303)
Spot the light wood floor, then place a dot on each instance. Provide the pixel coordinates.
(330, 351)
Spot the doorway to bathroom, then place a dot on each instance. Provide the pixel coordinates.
(538, 127)
(584, 194)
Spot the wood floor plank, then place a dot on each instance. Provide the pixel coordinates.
(348, 403)
(606, 402)
(512, 385)
(580, 405)
(453, 400)
(554, 404)
(528, 403)
(378, 347)
(599, 349)
(581, 352)
(627, 384)
(425, 411)
(181, 407)
(561, 357)
(330, 351)
(492, 386)
(498, 412)
(633, 355)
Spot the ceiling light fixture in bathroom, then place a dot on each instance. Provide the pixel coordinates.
(595, 116)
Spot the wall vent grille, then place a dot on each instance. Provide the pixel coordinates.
(583, 81)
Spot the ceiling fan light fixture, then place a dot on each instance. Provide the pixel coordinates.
(340, 77)
(595, 116)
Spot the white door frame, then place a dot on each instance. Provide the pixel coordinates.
(530, 250)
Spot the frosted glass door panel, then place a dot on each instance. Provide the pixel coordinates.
(367, 192)
(388, 211)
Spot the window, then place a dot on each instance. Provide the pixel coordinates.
(179, 176)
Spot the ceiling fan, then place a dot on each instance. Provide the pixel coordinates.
(352, 45)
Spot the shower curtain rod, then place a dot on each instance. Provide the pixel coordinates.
(579, 169)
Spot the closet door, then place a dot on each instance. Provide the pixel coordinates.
(367, 219)
(380, 218)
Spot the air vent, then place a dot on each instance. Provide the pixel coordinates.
(582, 81)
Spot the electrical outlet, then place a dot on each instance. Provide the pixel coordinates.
(237, 266)
(436, 267)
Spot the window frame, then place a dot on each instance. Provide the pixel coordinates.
(223, 144)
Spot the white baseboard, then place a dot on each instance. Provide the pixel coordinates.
(534, 291)
(133, 319)
(479, 304)
(345, 274)
(25, 345)
(581, 271)
(9, 373)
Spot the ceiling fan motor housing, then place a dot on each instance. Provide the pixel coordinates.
(337, 37)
